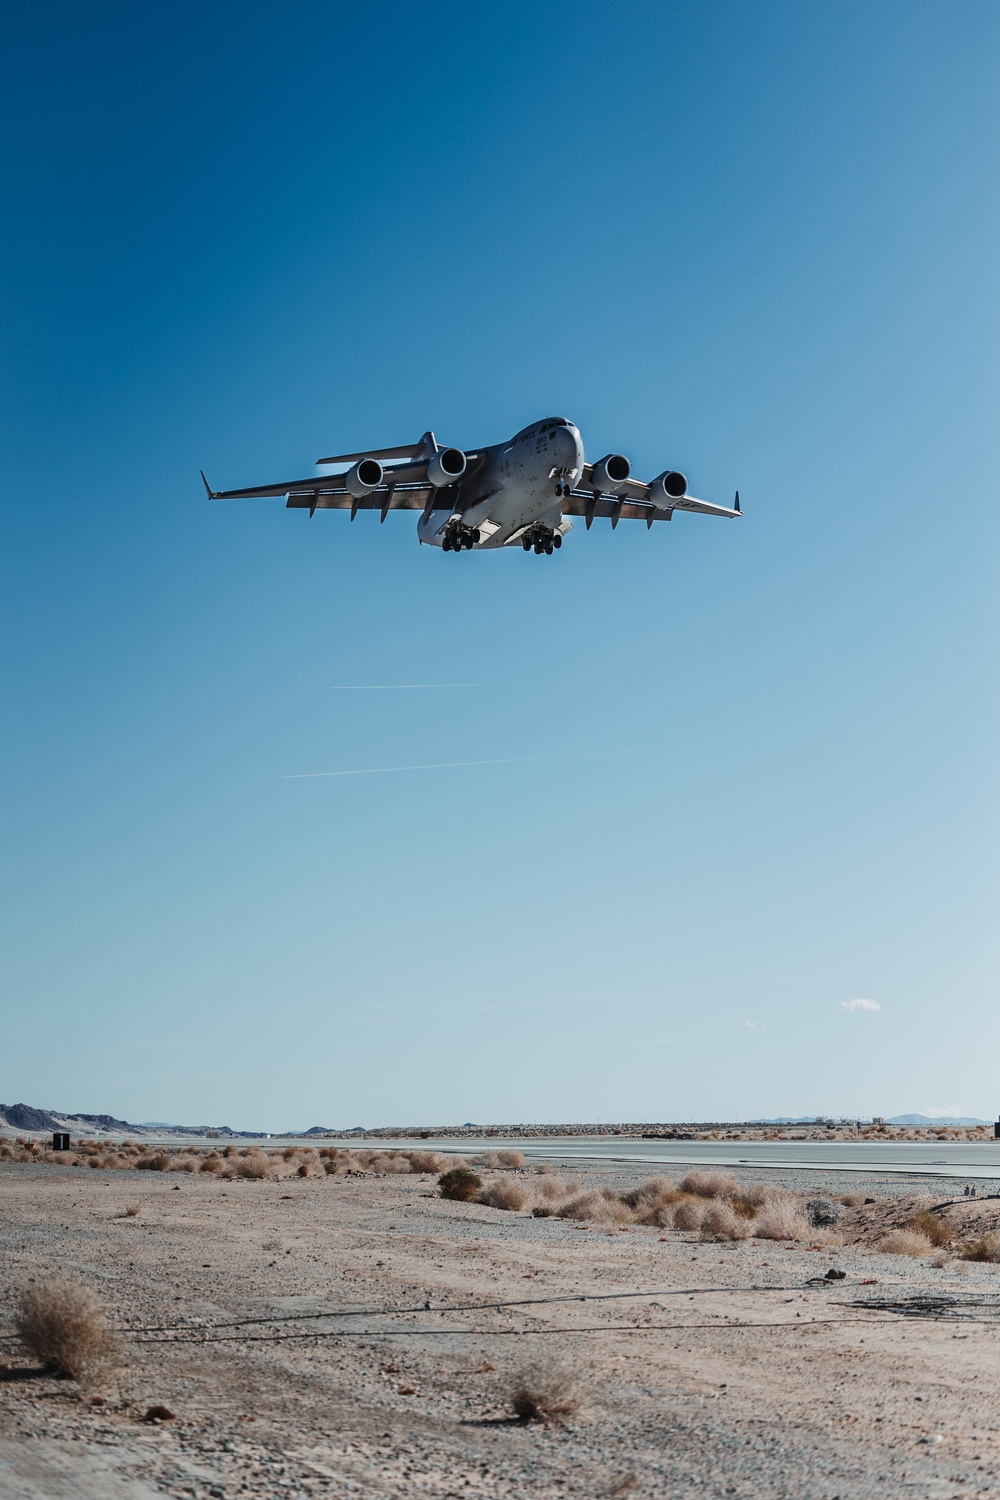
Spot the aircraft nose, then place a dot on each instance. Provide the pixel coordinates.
(569, 448)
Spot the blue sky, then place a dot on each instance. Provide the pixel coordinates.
(756, 241)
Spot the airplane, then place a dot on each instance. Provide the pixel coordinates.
(518, 493)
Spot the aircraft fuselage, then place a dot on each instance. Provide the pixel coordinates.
(513, 487)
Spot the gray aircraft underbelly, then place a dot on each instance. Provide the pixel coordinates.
(519, 493)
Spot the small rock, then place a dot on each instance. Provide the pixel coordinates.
(834, 1275)
(159, 1414)
(822, 1212)
(933, 1437)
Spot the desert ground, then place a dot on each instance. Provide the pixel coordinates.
(695, 1366)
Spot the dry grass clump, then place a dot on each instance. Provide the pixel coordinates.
(689, 1213)
(511, 1158)
(424, 1161)
(709, 1185)
(550, 1389)
(904, 1242)
(551, 1189)
(157, 1161)
(505, 1193)
(64, 1324)
(599, 1205)
(459, 1184)
(722, 1222)
(653, 1202)
(986, 1248)
(212, 1163)
(852, 1200)
(937, 1230)
(252, 1165)
(780, 1219)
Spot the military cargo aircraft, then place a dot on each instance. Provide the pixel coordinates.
(518, 493)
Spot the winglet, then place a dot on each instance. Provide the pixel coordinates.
(736, 504)
(208, 487)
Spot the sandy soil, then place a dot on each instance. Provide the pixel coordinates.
(733, 1372)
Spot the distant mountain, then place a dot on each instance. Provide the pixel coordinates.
(936, 1120)
(26, 1119)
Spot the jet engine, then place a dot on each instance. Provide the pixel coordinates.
(446, 467)
(668, 486)
(364, 477)
(611, 473)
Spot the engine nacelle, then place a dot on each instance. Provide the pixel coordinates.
(668, 486)
(611, 473)
(364, 477)
(446, 467)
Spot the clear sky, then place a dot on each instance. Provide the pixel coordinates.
(756, 241)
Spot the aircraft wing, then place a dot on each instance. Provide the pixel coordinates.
(328, 493)
(642, 508)
(633, 502)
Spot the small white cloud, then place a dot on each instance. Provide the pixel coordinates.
(755, 1025)
(859, 1005)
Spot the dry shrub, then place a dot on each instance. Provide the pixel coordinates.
(780, 1220)
(709, 1185)
(158, 1161)
(653, 1202)
(506, 1193)
(488, 1159)
(252, 1165)
(212, 1163)
(600, 1206)
(183, 1164)
(459, 1184)
(766, 1195)
(391, 1162)
(510, 1158)
(331, 1168)
(689, 1213)
(937, 1230)
(852, 1200)
(722, 1222)
(424, 1161)
(904, 1242)
(986, 1248)
(64, 1324)
(549, 1389)
(743, 1206)
(551, 1189)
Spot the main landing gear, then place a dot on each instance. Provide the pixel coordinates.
(542, 538)
(457, 537)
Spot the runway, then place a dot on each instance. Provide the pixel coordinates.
(974, 1162)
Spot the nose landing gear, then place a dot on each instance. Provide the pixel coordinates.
(457, 537)
(542, 539)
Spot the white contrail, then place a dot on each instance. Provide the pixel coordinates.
(442, 765)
